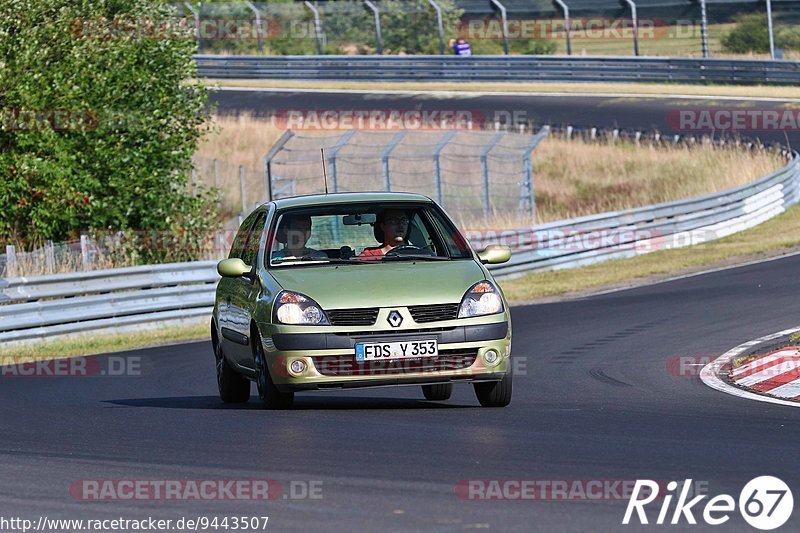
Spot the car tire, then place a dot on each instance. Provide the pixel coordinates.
(439, 392)
(271, 397)
(233, 387)
(495, 393)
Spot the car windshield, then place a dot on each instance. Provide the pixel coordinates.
(363, 234)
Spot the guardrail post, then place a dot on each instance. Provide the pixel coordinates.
(437, 165)
(485, 170)
(241, 187)
(317, 25)
(387, 181)
(334, 151)
(11, 261)
(49, 257)
(196, 14)
(85, 259)
(440, 24)
(565, 8)
(704, 27)
(504, 16)
(378, 35)
(771, 32)
(277, 147)
(635, 22)
(259, 29)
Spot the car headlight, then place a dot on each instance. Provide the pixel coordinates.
(481, 299)
(297, 309)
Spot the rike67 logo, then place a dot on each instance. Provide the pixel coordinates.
(765, 503)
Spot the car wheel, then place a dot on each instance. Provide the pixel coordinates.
(233, 388)
(495, 393)
(439, 392)
(271, 397)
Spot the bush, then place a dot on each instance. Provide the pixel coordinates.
(751, 35)
(118, 123)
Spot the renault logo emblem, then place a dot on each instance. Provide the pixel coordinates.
(395, 319)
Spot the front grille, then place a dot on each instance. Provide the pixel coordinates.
(434, 313)
(346, 365)
(353, 317)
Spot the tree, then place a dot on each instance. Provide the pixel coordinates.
(99, 123)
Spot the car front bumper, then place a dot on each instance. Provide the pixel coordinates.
(329, 356)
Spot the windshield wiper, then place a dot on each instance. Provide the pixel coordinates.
(311, 258)
(414, 257)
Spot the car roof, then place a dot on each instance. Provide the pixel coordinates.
(345, 197)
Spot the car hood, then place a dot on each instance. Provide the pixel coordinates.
(383, 284)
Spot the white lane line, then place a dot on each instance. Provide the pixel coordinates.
(769, 373)
(473, 94)
(709, 374)
(767, 360)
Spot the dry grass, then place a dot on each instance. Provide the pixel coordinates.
(572, 178)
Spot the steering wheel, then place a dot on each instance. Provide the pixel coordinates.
(399, 249)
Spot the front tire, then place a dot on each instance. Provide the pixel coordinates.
(271, 397)
(233, 387)
(495, 393)
(439, 392)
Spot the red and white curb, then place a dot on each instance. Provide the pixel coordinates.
(776, 373)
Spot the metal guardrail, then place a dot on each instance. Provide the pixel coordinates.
(501, 68)
(46, 306)
(628, 233)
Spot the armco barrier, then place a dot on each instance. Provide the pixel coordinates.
(45, 306)
(501, 68)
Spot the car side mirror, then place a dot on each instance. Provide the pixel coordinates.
(234, 268)
(495, 254)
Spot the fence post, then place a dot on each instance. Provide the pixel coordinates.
(565, 9)
(635, 22)
(259, 30)
(504, 17)
(704, 27)
(334, 151)
(49, 257)
(196, 15)
(277, 147)
(11, 261)
(377, 13)
(317, 26)
(771, 32)
(387, 179)
(85, 259)
(437, 165)
(241, 188)
(527, 198)
(485, 170)
(216, 184)
(441, 25)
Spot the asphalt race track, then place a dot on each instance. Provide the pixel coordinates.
(647, 114)
(595, 401)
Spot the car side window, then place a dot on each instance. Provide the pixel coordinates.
(237, 249)
(254, 239)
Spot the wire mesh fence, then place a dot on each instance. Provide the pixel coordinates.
(476, 175)
(679, 28)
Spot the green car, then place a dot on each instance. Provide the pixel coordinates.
(357, 290)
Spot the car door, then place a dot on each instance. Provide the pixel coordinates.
(226, 313)
(243, 291)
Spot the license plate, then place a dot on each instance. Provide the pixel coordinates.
(396, 350)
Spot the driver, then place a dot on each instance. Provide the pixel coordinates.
(294, 233)
(391, 229)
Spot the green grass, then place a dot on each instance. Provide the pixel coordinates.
(103, 343)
